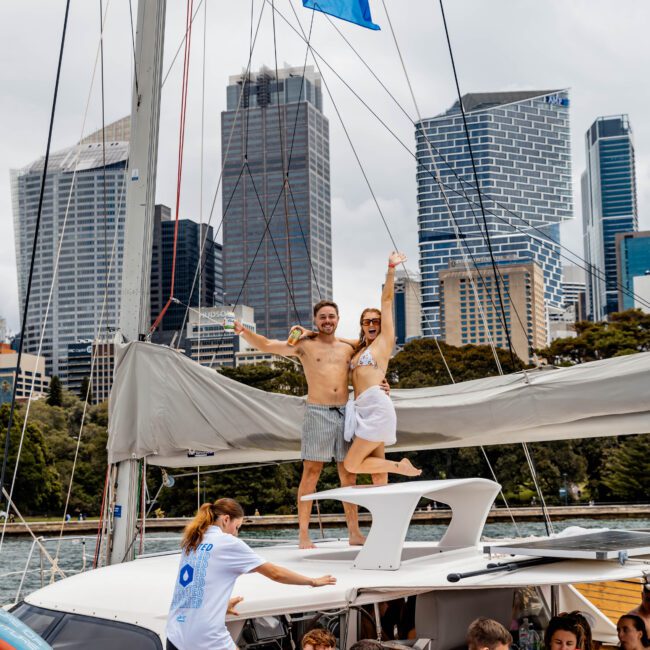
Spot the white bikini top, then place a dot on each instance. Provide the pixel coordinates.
(365, 359)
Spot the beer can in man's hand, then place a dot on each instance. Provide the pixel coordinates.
(294, 336)
(229, 322)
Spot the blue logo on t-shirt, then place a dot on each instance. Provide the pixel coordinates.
(186, 576)
(188, 593)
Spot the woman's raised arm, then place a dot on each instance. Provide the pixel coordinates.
(387, 296)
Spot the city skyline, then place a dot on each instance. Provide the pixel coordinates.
(568, 52)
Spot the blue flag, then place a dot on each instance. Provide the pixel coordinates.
(354, 11)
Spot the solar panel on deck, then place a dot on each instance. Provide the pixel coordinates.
(601, 545)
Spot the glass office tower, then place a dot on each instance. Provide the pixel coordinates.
(85, 206)
(521, 145)
(609, 207)
(274, 125)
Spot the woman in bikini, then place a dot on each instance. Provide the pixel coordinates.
(370, 420)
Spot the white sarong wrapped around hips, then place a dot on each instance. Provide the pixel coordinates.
(371, 417)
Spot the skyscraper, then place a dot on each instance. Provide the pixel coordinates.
(609, 207)
(632, 261)
(187, 288)
(277, 249)
(522, 151)
(470, 311)
(85, 195)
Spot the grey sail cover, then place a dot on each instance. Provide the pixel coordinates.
(178, 414)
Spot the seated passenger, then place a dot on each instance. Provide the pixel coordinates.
(488, 634)
(568, 632)
(632, 633)
(318, 639)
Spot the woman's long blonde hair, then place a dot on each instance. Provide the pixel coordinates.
(362, 338)
(206, 517)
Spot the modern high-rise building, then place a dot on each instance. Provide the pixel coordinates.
(609, 207)
(218, 273)
(187, 287)
(4, 332)
(642, 293)
(471, 309)
(277, 244)
(84, 207)
(406, 307)
(632, 261)
(522, 150)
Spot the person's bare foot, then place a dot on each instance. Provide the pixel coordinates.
(406, 468)
(305, 542)
(357, 540)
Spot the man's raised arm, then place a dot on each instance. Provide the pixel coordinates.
(263, 344)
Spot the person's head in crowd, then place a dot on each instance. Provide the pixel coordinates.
(567, 632)
(632, 633)
(366, 644)
(645, 596)
(318, 639)
(586, 626)
(488, 634)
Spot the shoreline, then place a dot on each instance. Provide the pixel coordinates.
(420, 517)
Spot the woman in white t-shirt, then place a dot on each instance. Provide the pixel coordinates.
(211, 561)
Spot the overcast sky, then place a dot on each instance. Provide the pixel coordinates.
(597, 48)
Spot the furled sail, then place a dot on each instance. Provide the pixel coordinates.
(177, 413)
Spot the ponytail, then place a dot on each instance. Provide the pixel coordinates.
(207, 516)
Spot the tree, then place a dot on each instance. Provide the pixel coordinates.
(420, 364)
(55, 392)
(626, 332)
(37, 488)
(85, 392)
(285, 377)
(627, 473)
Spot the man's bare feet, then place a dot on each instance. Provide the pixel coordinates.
(305, 542)
(357, 540)
(406, 468)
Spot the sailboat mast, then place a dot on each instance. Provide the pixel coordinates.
(138, 232)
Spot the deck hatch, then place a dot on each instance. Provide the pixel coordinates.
(600, 545)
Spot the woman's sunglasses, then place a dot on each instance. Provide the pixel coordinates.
(371, 321)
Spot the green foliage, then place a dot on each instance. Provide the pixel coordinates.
(37, 487)
(282, 377)
(626, 332)
(55, 392)
(420, 364)
(627, 473)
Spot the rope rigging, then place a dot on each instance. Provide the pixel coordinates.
(529, 458)
(23, 327)
(545, 239)
(189, 19)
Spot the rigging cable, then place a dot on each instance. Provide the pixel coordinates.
(181, 145)
(457, 231)
(205, 27)
(478, 187)
(223, 166)
(545, 240)
(52, 285)
(23, 328)
(529, 458)
(285, 168)
(365, 176)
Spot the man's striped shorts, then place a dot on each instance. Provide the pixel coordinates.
(322, 433)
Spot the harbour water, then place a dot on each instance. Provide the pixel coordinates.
(74, 554)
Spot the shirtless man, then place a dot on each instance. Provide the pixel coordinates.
(643, 609)
(326, 361)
